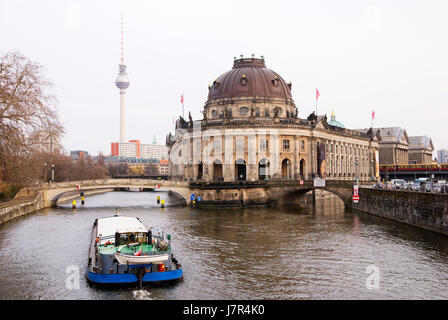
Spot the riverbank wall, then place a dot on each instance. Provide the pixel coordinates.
(20, 207)
(424, 210)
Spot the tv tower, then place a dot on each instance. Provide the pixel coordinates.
(122, 83)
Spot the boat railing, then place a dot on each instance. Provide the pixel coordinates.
(152, 253)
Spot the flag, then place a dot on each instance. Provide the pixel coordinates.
(373, 114)
(317, 94)
(182, 99)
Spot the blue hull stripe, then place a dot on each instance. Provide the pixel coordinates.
(162, 276)
(124, 278)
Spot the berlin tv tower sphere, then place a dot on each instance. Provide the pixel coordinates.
(122, 81)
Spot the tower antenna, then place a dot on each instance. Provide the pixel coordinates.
(122, 38)
(122, 83)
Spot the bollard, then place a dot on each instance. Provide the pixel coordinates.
(163, 204)
(158, 199)
(74, 204)
(82, 200)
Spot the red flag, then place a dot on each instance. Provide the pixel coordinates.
(182, 99)
(373, 114)
(317, 94)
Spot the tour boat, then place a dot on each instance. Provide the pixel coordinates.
(124, 252)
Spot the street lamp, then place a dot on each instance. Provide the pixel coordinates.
(52, 172)
(45, 172)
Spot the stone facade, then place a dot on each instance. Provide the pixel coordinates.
(420, 150)
(261, 137)
(394, 145)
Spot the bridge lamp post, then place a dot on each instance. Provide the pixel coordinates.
(45, 172)
(356, 170)
(52, 173)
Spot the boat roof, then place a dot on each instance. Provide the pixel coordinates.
(108, 226)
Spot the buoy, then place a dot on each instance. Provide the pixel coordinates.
(74, 204)
(82, 200)
(158, 199)
(163, 204)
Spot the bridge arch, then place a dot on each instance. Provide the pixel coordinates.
(54, 192)
(291, 196)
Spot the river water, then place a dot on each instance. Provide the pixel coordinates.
(263, 253)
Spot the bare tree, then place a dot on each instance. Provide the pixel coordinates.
(28, 117)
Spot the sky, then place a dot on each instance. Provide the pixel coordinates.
(386, 56)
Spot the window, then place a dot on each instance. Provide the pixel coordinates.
(214, 113)
(240, 145)
(264, 144)
(266, 112)
(244, 111)
(217, 146)
(302, 145)
(285, 144)
(243, 80)
(198, 146)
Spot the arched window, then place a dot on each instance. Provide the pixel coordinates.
(302, 168)
(263, 169)
(244, 111)
(240, 170)
(286, 168)
(217, 170)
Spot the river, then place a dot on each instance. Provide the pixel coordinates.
(328, 252)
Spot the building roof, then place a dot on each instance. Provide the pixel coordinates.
(421, 142)
(390, 135)
(249, 77)
(334, 122)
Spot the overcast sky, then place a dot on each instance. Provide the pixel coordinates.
(387, 56)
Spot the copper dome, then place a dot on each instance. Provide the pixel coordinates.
(249, 77)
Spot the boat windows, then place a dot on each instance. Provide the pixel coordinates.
(128, 238)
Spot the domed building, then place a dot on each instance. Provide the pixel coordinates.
(251, 131)
(333, 122)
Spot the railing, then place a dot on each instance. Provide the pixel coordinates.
(390, 187)
(18, 201)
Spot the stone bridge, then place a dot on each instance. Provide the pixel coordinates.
(274, 192)
(239, 194)
(52, 192)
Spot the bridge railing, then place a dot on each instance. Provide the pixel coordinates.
(85, 184)
(18, 201)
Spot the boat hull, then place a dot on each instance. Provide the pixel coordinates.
(130, 279)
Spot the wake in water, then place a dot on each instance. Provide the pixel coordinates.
(142, 294)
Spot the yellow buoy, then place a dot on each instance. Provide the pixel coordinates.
(163, 204)
(74, 204)
(158, 199)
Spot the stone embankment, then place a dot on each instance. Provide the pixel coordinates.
(424, 210)
(30, 200)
